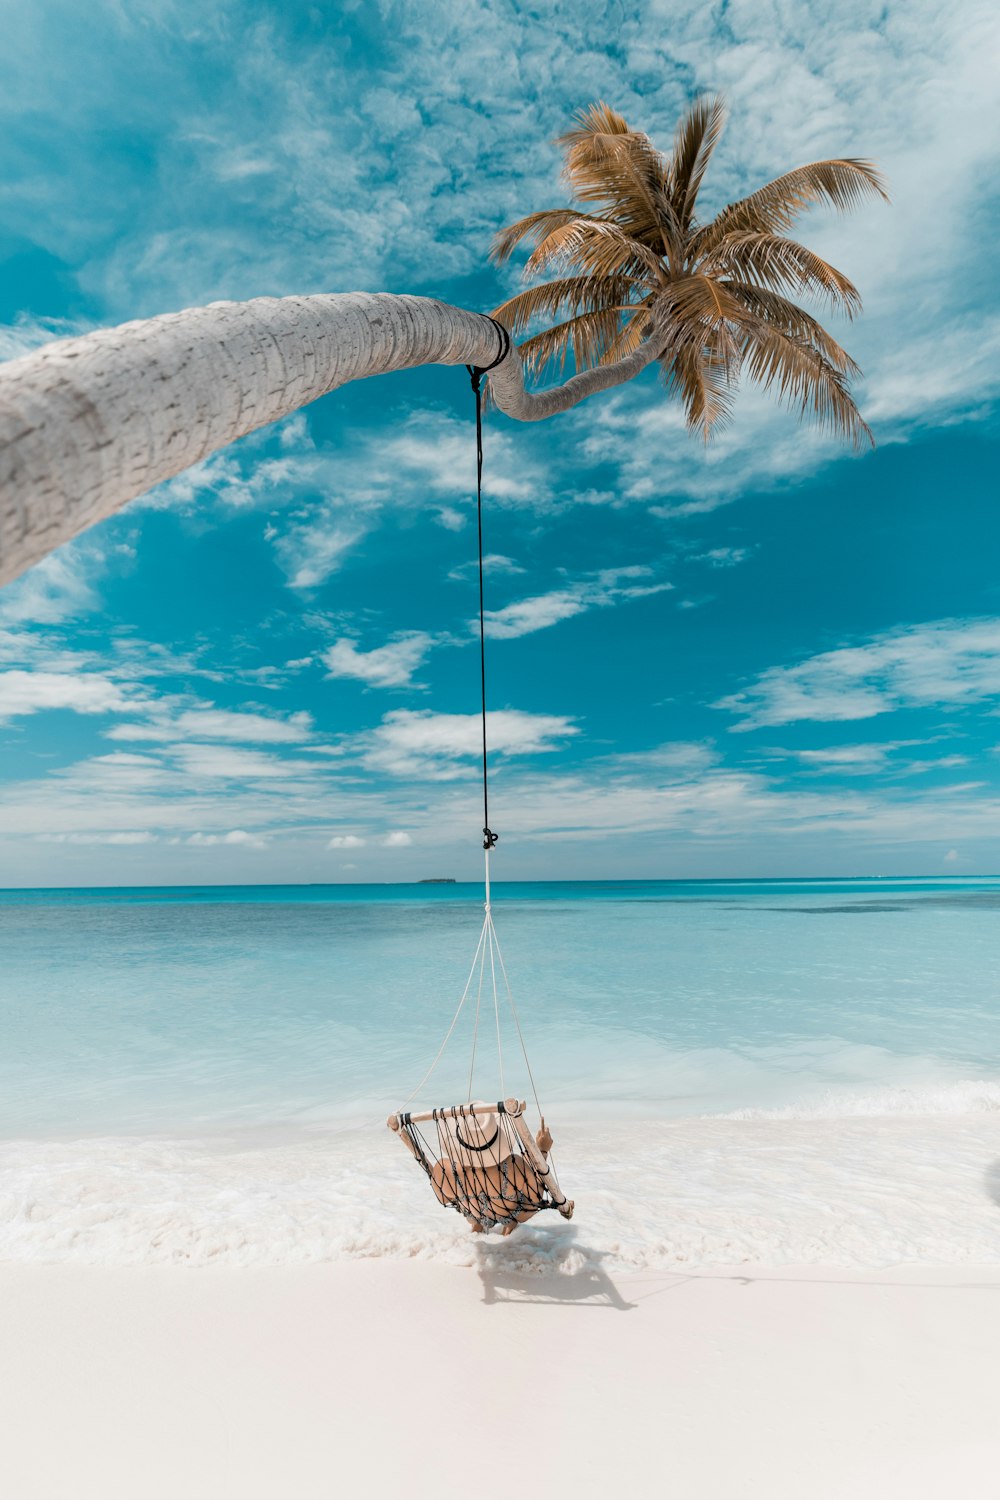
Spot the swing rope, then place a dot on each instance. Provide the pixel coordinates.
(488, 942)
(497, 1180)
(476, 373)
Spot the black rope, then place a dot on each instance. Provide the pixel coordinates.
(476, 373)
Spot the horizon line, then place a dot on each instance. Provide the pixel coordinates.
(551, 880)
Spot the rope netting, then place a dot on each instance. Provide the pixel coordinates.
(478, 1165)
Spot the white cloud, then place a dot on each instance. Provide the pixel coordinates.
(137, 837)
(451, 519)
(346, 841)
(53, 591)
(28, 332)
(226, 762)
(83, 693)
(953, 368)
(944, 662)
(880, 758)
(610, 586)
(641, 432)
(724, 557)
(219, 724)
(398, 839)
(416, 744)
(673, 757)
(703, 806)
(237, 837)
(525, 616)
(867, 757)
(934, 763)
(435, 455)
(391, 665)
(425, 461)
(494, 564)
(310, 553)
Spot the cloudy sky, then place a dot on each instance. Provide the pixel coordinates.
(770, 657)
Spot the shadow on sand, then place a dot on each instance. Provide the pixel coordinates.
(541, 1264)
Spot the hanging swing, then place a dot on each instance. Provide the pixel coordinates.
(481, 1158)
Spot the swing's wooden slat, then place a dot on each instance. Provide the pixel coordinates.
(512, 1107)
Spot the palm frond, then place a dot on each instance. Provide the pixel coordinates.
(609, 164)
(635, 328)
(695, 303)
(588, 337)
(698, 322)
(778, 312)
(804, 378)
(706, 385)
(535, 226)
(572, 294)
(697, 136)
(597, 246)
(770, 260)
(592, 123)
(840, 183)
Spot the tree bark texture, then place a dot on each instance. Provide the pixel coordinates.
(88, 424)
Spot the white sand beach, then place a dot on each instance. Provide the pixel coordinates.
(797, 1300)
(375, 1379)
(275, 1321)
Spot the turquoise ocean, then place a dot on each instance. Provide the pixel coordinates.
(204, 1073)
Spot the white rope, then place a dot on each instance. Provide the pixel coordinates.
(454, 1019)
(496, 1006)
(481, 954)
(488, 941)
(495, 941)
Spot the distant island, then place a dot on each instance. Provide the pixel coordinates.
(438, 880)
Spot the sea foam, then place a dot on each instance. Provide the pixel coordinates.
(860, 1188)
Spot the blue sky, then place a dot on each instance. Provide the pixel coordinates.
(770, 657)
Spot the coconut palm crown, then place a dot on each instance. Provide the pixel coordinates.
(712, 298)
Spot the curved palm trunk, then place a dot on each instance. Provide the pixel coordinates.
(88, 424)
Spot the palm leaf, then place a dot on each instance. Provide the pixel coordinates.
(695, 302)
(777, 312)
(535, 226)
(634, 329)
(770, 260)
(595, 120)
(589, 337)
(573, 294)
(607, 163)
(841, 184)
(699, 322)
(803, 378)
(597, 246)
(706, 385)
(697, 137)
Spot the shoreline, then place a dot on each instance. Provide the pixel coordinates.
(854, 1191)
(288, 1382)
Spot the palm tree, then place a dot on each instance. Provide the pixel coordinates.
(88, 424)
(641, 270)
